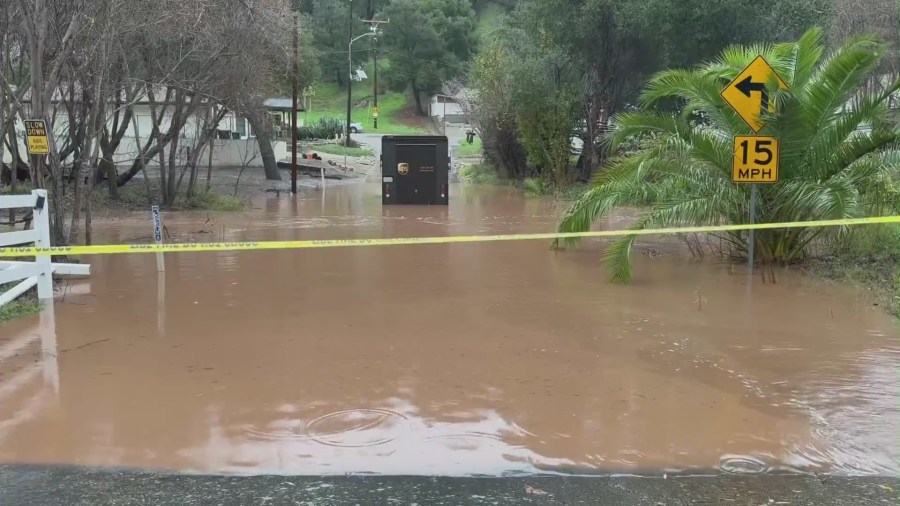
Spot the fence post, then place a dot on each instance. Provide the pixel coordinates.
(42, 225)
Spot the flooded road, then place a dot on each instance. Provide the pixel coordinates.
(451, 359)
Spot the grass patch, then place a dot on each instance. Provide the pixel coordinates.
(133, 196)
(330, 100)
(24, 306)
(211, 201)
(337, 149)
(466, 149)
(540, 188)
(478, 174)
(22, 188)
(489, 16)
(867, 257)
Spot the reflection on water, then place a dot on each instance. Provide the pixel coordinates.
(395, 439)
(29, 372)
(444, 359)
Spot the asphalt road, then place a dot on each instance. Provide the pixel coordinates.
(455, 134)
(73, 486)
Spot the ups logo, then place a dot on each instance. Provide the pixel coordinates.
(403, 169)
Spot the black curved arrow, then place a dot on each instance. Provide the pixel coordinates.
(747, 86)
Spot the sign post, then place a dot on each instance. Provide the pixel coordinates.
(755, 156)
(157, 238)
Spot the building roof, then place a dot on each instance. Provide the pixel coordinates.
(281, 104)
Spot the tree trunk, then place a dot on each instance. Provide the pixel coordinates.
(173, 168)
(142, 166)
(264, 139)
(163, 195)
(151, 148)
(109, 144)
(212, 145)
(108, 168)
(415, 91)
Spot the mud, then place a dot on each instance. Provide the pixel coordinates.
(453, 359)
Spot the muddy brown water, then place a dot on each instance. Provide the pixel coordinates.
(452, 359)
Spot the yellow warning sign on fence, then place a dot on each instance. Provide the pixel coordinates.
(36, 135)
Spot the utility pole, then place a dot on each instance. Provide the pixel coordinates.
(294, 85)
(373, 24)
(375, 69)
(350, 68)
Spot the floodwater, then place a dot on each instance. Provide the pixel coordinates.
(454, 359)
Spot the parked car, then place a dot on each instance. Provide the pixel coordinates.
(356, 128)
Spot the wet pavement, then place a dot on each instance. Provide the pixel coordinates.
(454, 360)
(67, 486)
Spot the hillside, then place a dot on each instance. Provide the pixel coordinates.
(397, 111)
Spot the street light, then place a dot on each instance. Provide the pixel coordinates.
(350, 79)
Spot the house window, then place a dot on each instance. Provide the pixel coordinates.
(240, 126)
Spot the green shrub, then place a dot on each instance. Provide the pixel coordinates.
(478, 174)
(322, 128)
(534, 186)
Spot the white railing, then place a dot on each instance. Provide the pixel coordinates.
(39, 272)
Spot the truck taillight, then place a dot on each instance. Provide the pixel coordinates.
(387, 190)
(443, 190)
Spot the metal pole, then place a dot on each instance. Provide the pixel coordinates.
(350, 70)
(751, 247)
(375, 68)
(296, 71)
(158, 238)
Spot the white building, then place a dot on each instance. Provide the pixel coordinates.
(235, 142)
(446, 108)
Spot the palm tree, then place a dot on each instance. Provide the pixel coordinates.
(839, 151)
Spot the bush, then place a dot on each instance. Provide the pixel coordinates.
(534, 186)
(323, 128)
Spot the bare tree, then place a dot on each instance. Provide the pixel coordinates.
(84, 66)
(852, 18)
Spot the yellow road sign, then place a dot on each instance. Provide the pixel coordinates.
(755, 159)
(36, 134)
(748, 93)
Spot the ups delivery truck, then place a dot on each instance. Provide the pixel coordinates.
(415, 169)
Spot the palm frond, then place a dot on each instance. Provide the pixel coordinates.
(837, 79)
(828, 200)
(800, 58)
(617, 259)
(636, 123)
(850, 135)
(700, 93)
(691, 211)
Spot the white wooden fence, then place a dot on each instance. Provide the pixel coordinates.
(40, 272)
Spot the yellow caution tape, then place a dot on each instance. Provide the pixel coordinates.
(340, 243)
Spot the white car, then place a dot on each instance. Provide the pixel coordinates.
(356, 128)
